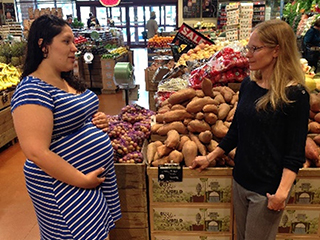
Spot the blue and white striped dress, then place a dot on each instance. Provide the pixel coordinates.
(64, 211)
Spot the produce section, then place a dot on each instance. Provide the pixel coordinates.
(191, 106)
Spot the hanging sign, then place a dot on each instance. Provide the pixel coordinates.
(110, 3)
(185, 39)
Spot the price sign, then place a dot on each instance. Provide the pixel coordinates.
(170, 172)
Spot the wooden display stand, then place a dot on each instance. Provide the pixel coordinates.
(132, 185)
(201, 206)
(7, 132)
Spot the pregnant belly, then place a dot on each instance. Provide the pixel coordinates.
(87, 149)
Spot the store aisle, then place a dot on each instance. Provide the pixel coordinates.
(17, 218)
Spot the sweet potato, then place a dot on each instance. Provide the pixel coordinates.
(186, 121)
(210, 118)
(199, 93)
(164, 109)
(182, 95)
(227, 124)
(173, 139)
(196, 104)
(205, 137)
(206, 87)
(232, 153)
(235, 98)
(317, 139)
(231, 113)
(151, 150)
(178, 107)
(210, 108)
(314, 102)
(199, 116)
(201, 148)
(160, 117)
(227, 94)
(163, 150)
(317, 117)
(223, 110)
(175, 156)
(219, 98)
(176, 115)
(165, 128)
(314, 127)
(311, 150)
(160, 161)
(312, 114)
(189, 151)
(212, 145)
(155, 127)
(219, 129)
(183, 139)
(198, 126)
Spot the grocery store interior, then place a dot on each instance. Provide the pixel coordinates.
(124, 68)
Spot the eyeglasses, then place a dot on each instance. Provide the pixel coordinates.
(252, 49)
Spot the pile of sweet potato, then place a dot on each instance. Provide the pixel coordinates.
(192, 123)
(312, 148)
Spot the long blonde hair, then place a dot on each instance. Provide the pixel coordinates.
(287, 69)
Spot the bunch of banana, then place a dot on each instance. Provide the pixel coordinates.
(118, 51)
(9, 76)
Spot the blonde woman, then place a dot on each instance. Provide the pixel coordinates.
(269, 131)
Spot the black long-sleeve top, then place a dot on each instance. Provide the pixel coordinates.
(267, 141)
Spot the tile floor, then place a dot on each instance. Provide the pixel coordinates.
(17, 217)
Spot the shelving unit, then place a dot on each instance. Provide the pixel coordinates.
(259, 11)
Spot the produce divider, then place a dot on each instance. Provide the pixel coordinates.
(7, 132)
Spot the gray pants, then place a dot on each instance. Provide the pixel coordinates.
(254, 221)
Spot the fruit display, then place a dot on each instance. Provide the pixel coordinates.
(80, 39)
(200, 52)
(12, 52)
(226, 66)
(127, 132)
(159, 42)
(9, 76)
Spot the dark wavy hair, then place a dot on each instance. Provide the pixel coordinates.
(46, 27)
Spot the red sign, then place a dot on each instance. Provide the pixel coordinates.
(185, 39)
(110, 3)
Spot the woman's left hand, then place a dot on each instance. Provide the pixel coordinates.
(100, 120)
(275, 202)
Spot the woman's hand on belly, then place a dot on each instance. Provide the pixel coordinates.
(100, 120)
(92, 179)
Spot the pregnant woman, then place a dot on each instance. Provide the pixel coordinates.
(69, 169)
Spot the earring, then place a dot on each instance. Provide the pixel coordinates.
(45, 53)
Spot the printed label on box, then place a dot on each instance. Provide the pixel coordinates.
(305, 191)
(186, 237)
(304, 222)
(192, 219)
(212, 190)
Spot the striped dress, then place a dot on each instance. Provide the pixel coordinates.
(64, 211)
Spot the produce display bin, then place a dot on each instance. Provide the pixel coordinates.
(198, 207)
(132, 186)
(7, 132)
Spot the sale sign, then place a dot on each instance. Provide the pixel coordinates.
(185, 39)
(110, 3)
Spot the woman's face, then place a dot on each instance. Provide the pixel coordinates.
(61, 52)
(260, 57)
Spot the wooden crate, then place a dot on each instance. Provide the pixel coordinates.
(5, 98)
(7, 132)
(200, 205)
(152, 101)
(150, 86)
(132, 186)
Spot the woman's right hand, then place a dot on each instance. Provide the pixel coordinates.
(200, 163)
(92, 179)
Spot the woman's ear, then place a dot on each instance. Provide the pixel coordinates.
(276, 51)
(40, 41)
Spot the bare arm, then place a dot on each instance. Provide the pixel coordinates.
(277, 201)
(33, 125)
